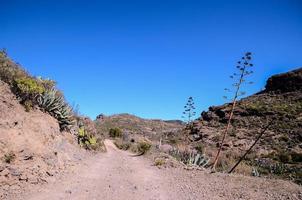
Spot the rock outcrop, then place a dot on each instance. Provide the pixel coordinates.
(286, 82)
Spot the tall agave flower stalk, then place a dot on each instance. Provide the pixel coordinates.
(243, 67)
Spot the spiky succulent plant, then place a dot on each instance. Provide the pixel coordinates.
(54, 103)
(198, 160)
(190, 157)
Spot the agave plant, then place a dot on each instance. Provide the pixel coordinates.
(190, 157)
(55, 104)
(198, 159)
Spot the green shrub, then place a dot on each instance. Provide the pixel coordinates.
(81, 131)
(28, 89)
(83, 138)
(9, 157)
(28, 105)
(159, 161)
(10, 71)
(115, 132)
(92, 141)
(96, 144)
(143, 146)
(88, 141)
(29, 86)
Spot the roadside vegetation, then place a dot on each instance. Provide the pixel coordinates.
(36, 92)
(123, 141)
(42, 93)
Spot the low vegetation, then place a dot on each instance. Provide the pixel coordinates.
(36, 91)
(9, 71)
(189, 157)
(159, 162)
(124, 142)
(115, 132)
(87, 137)
(9, 157)
(144, 146)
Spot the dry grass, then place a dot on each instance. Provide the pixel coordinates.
(159, 162)
(244, 168)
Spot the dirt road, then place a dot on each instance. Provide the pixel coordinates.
(113, 175)
(117, 175)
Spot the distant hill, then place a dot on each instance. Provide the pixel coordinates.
(136, 125)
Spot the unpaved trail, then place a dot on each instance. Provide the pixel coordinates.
(114, 175)
(118, 175)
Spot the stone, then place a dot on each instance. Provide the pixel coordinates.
(14, 172)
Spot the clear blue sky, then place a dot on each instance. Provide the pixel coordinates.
(147, 57)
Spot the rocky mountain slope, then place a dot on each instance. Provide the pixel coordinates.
(280, 150)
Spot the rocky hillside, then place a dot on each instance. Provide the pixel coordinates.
(280, 149)
(32, 147)
(135, 125)
(39, 132)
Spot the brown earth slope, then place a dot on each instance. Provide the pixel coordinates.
(32, 148)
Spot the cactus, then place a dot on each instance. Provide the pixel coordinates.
(55, 104)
